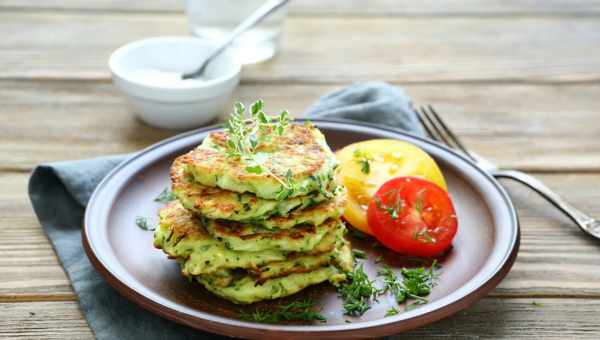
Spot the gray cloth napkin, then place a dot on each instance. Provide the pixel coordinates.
(60, 191)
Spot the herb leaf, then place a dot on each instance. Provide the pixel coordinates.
(357, 294)
(245, 135)
(416, 283)
(394, 203)
(283, 122)
(363, 159)
(287, 186)
(256, 169)
(165, 196)
(142, 223)
(359, 254)
(419, 201)
(424, 236)
(295, 311)
(391, 312)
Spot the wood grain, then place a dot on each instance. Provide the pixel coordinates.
(518, 79)
(555, 259)
(488, 319)
(334, 7)
(418, 50)
(532, 127)
(29, 268)
(43, 320)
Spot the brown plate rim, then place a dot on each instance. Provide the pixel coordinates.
(380, 327)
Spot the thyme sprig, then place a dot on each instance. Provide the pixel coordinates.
(244, 135)
(295, 311)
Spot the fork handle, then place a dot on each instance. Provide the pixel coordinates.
(580, 218)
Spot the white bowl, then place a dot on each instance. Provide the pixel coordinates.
(147, 72)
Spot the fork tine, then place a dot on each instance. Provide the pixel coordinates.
(449, 132)
(441, 137)
(425, 126)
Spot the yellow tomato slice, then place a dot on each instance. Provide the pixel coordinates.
(365, 166)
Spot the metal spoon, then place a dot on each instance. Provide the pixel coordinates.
(255, 18)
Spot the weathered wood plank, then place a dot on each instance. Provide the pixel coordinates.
(555, 259)
(43, 320)
(332, 7)
(40, 45)
(29, 266)
(524, 126)
(488, 319)
(518, 319)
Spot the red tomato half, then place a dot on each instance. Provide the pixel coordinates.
(413, 217)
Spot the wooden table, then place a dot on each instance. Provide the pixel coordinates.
(520, 80)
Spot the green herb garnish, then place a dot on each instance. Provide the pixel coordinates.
(256, 169)
(295, 311)
(393, 205)
(244, 135)
(379, 259)
(165, 196)
(359, 254)
(363, 159)
(419, 201)
(416, 282)
(537, 304)
(391, 284)
(358, 293)
(424, 236)
(391, 312)
(287, 188)
(142, 223)
(282, 122)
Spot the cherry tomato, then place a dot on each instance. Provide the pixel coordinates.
(412, 216)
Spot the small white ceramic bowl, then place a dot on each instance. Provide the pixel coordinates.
(147, 72)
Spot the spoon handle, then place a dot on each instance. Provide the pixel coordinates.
(254, 19)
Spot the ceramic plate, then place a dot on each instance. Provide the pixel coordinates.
(484, 248)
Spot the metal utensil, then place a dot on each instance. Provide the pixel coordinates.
(439, 131)
(255, 18)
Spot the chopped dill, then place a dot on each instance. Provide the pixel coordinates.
(416, 283)
(295, 311)
(358, 293)
(393, 205)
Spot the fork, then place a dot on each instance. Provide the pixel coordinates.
(439, 131)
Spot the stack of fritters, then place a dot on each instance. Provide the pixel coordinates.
(264, 229)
